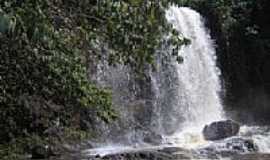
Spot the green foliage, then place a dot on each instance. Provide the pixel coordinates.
(11, 152)
(44, 45)
(43, 77)
(229, 14)
(132, 30)
(75, 135)
(17, 149)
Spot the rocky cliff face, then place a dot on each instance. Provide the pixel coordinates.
(243, 59)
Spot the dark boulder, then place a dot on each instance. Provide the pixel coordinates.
(220, 130)
(39, 152)
(153, 138)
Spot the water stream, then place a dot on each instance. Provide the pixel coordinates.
(198, 93)
(173, 103)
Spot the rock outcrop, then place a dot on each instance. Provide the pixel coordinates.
(220, 130)
(167, 153)
(228, 148)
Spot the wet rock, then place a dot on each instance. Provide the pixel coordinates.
(241, 145)
(153, 138)
(171, 150)
(228, 148)
(143, 155)
(39, 152)
(44, 151)
(251, 156)
(167, 153)
(220, 130)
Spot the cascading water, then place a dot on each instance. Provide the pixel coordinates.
(175, 101)
(198, 76)
(198, 84)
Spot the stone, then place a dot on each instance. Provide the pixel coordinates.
(241, 145)
(153, 138)
(39, 152)
(228, 147)
(171, 150)
(220, 129)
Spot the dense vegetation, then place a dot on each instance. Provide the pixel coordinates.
(45, 44)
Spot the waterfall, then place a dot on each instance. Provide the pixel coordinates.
(198, 76)
(174, 102)
(197, 80)
(173, 99)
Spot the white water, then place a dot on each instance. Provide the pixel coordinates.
(199, 76)
(260, 136)
(193, 103)
(198, 94)
(186, 96)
